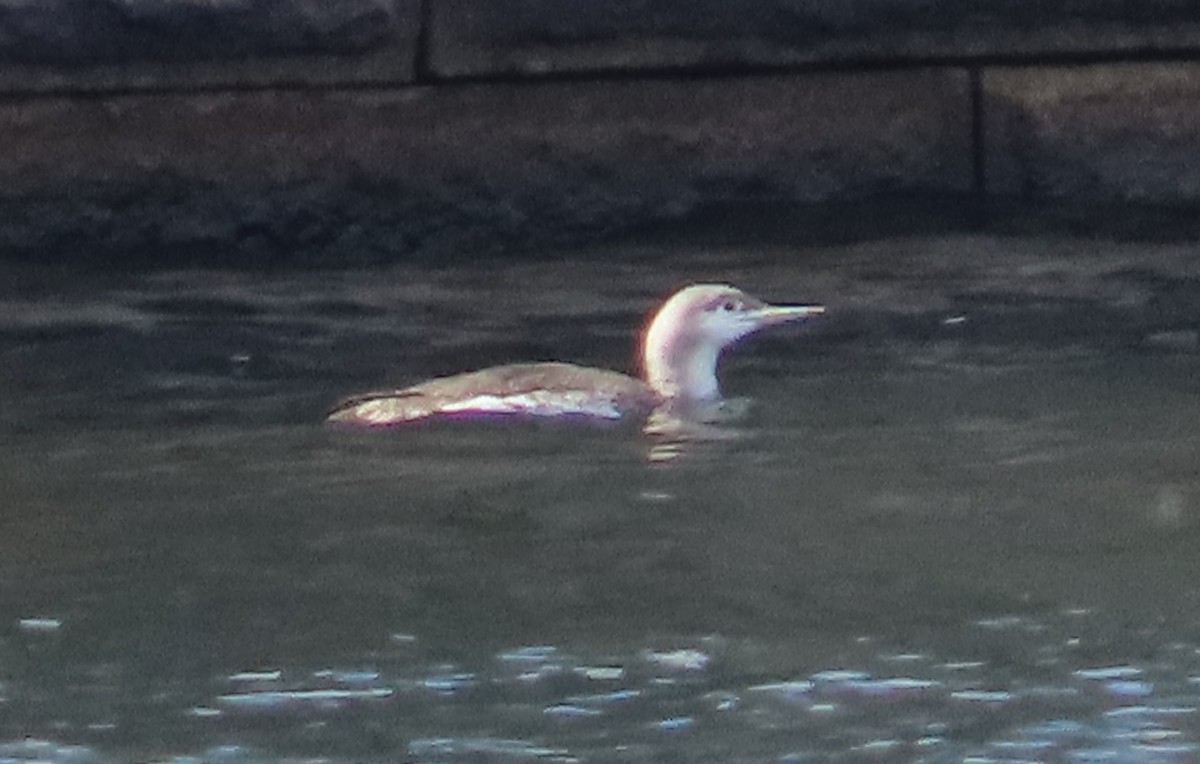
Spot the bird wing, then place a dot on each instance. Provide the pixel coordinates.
(532, 389)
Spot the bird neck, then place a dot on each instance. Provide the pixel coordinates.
(682, 367)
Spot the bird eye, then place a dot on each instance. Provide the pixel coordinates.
(729, 306)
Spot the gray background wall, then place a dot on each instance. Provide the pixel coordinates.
(377, 129)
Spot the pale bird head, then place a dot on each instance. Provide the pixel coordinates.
(686, 336)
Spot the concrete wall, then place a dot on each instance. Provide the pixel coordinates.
(373, 129)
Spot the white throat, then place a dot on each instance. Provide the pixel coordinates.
(684, 370)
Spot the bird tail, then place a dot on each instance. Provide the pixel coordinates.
(381, 409)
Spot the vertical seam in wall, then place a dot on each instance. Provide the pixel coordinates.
(422, 67)
(978, 150)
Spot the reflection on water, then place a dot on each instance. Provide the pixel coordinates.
(1002, 689)
(933, 539)
(673, 434)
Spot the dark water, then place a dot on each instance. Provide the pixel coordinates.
(940, 536)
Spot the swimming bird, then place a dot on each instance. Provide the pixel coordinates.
(680, 351)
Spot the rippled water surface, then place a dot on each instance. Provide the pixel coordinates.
(946, 532)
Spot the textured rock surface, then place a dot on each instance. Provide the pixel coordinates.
(485, 37)
(357, 175)
(115, 44)
(282, 128)
(130, 44)
(1122, 132)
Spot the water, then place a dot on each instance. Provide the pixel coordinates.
(950, 529)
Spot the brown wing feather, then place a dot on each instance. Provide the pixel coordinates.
(546, 382)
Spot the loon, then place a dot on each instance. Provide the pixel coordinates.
(680, 350)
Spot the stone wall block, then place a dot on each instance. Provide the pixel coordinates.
(352, 174)
(132, 44)
(477, 38)
(1128, 132)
